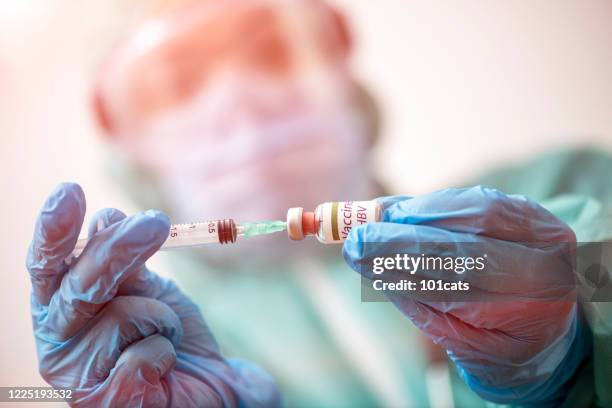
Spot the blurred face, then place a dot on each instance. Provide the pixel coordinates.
(239, 108)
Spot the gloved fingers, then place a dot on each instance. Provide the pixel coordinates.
(149, 359)
(506, 317)
(102, 219)
(197, 336)
(109, 257)
(368, 244)
(482, 211)
(494, 269)
(55, 235)
(148, 284)
(144, 283)
(388, 201)
(137, 378)
(461, 338)
(498, 358)
(123, 321)
(141, 281)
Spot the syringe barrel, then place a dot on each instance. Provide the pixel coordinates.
(187, 235)
(195, 234)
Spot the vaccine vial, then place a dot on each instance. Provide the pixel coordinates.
(331, 222)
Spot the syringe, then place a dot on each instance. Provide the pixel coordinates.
(207, 232)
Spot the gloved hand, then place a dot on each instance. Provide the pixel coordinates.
(114, 331)
(520, 339)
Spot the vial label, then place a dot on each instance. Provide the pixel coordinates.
(339, 218)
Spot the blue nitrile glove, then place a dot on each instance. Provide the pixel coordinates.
(114, 331)
(520, 339)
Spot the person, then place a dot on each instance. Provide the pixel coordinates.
(243, 109)
(239, 128)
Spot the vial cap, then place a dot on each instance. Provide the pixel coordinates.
(294, 223)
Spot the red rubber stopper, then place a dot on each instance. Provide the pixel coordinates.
(309, 223)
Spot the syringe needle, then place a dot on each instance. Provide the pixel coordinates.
(251, 229)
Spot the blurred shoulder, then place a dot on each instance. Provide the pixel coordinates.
(582, 171)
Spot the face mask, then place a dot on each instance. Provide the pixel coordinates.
(227, 155)
(249, 153)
